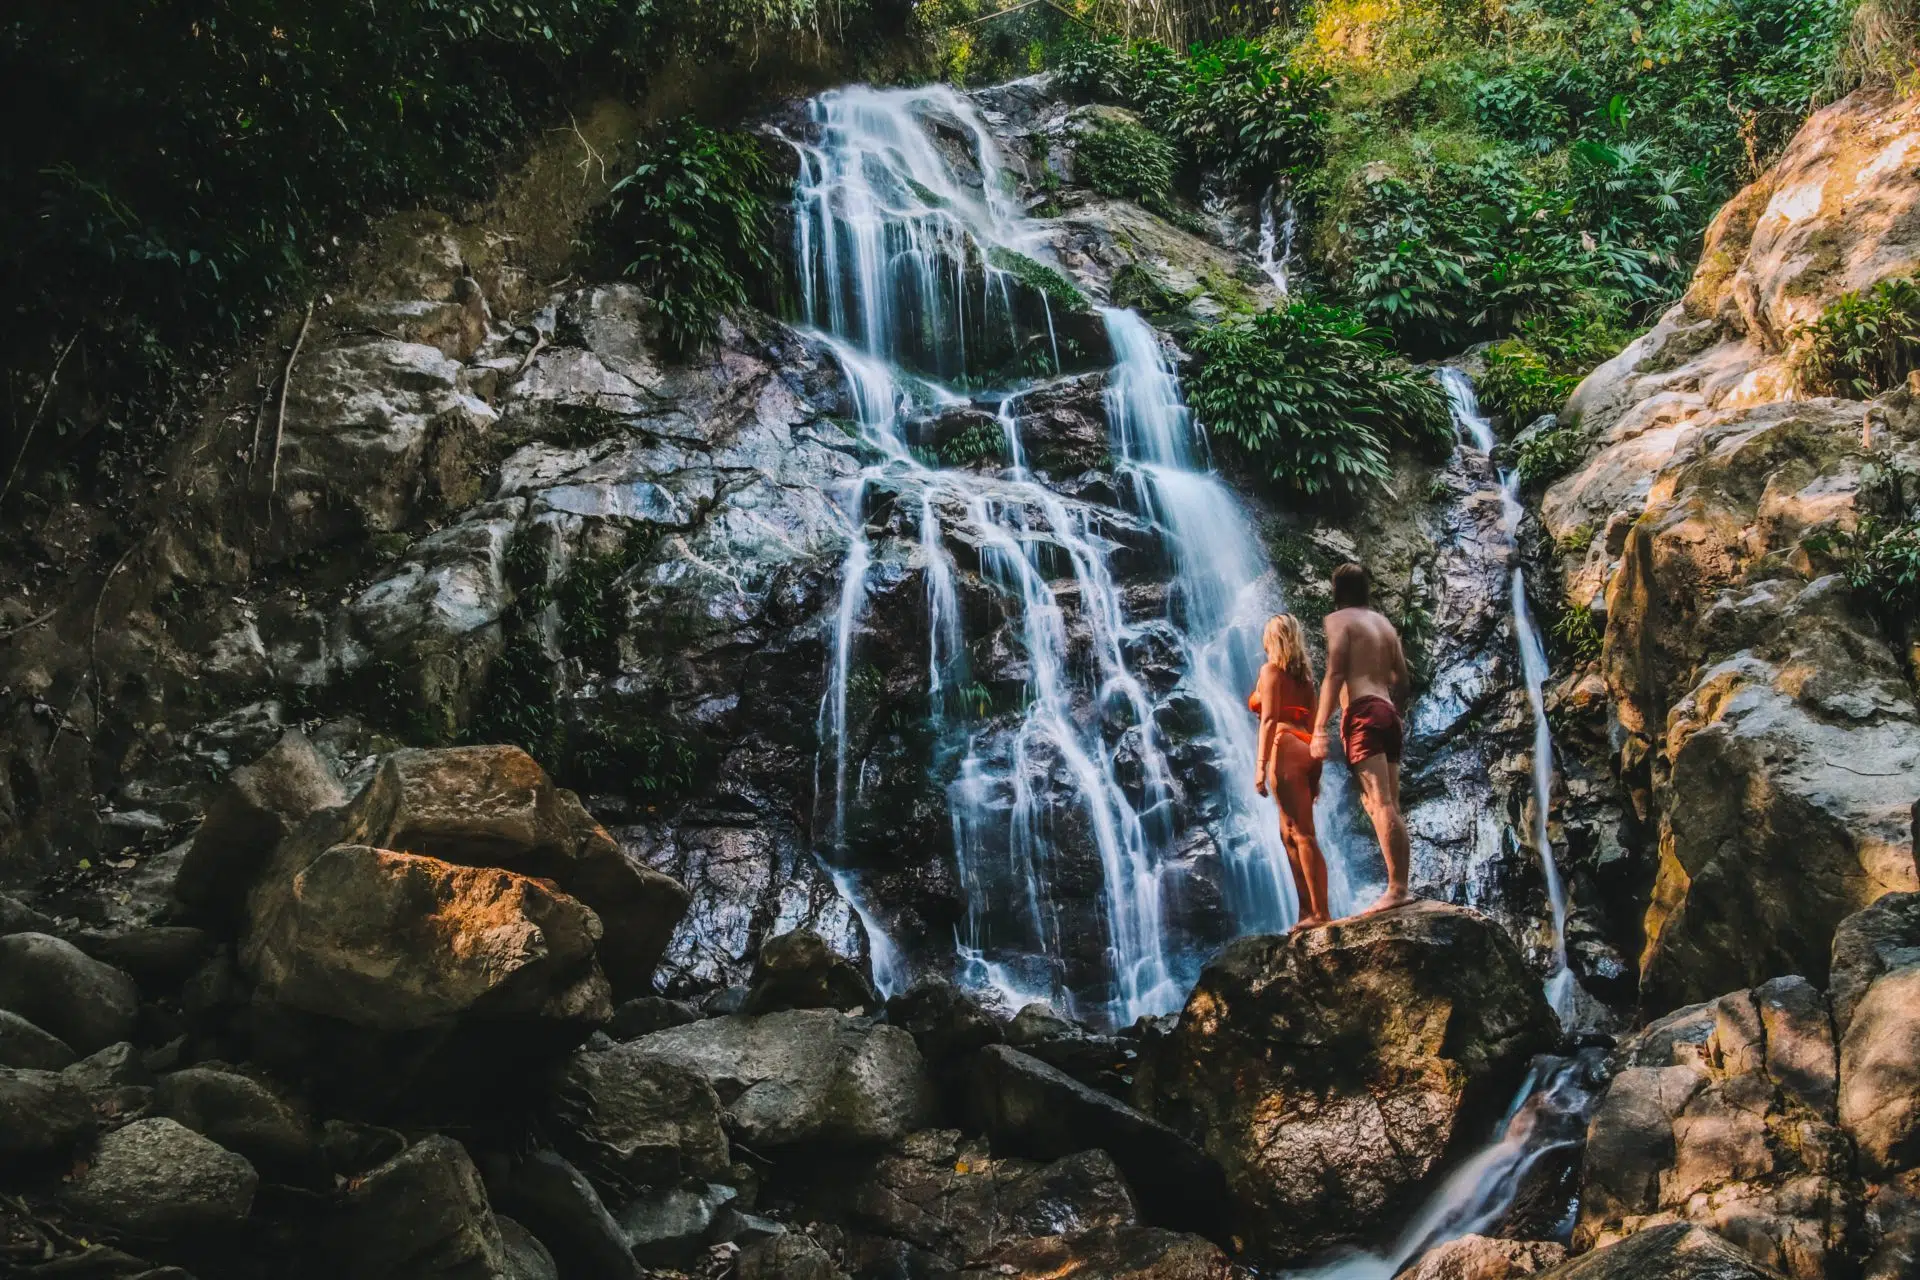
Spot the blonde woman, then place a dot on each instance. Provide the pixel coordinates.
(1284, 700)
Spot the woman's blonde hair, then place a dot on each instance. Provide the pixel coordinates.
(1286, 647)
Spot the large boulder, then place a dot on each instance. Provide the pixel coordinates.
(1487, 1258)
(22, 1044)
(630, 1120)
(495, 806)
(397, 942)
(802, 1076)
(58, 987)
(156, 1178)
(238, 1112)
(1876, 1011)
(1331, 1071)
(1723, 1115)
(1108, 1253)
(260, 805)
(422, 1215)
(798, 970)
(1676, 1251)
(1743, 682)
(41, 1115)
(1028, 1107)
(557, 1202)
(951, 1198)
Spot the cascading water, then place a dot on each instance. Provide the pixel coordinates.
(1467, 417)
(904, 269)
(1277, 221)
(1548, 1116)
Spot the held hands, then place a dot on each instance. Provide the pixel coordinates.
(1318, 747)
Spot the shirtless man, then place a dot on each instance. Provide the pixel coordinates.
(1367, 675)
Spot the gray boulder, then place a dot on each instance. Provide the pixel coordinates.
(114, 1067)
(799, 970)
(156, 1178)
(41, 1115)
(946, 1021)
(424, 1214)
(22, 1044)
(669, 1228)
(1133, 1252)
(259, 806)
(57, 986)
(527, 1257)
(629, 1120)
(802, 1076)
(788, 1256)
(239, 1113)
(560, 1206)
(1025, 1106)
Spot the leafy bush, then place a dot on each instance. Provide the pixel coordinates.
(1880, 557)
(1534, 373)
(1314, 396)
(1120, 158)
(1547, 455)
(1577, 635)
(1236, 107)
(1863, 344)
(1040, 277)
(695, 209)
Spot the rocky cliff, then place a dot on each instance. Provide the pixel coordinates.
(1760, 721)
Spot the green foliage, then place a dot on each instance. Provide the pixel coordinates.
(1534, 373)
(978, 443)
(1137, 286)
(1576, 634)
(695, 211)
(1313, 394)
(592, 596)
(1880, 557)
(1038, 276)
(1235, 108)
(1547, 455)
(646, 755)
(1576, 540)
(192, 164)
(1120, 158)
(1863, 344)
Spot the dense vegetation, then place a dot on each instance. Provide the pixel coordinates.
(189, 163)
(1865, 343)
(695, 217)
(1313, 395)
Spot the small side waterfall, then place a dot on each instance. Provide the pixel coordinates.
(1278, 219)
(900, 253)
(1533, 667)
(1548, 1117)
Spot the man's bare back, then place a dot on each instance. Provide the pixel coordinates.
(1367, 678)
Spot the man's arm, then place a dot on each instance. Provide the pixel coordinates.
(1330, 688)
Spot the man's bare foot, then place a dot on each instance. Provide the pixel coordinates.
(1390, 899)
(1309, 922)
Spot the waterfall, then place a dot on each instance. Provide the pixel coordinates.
(899, 248)
(1548, 1115)
(1467, 417)
(1276, 237)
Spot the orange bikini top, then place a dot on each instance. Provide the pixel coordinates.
(1301, 714)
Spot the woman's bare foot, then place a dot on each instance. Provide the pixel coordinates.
(1309, 922)
(1389, 900)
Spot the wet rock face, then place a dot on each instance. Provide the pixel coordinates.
(1329, 1073)
(1724, 1115)
(1738, 679)
(1676, 1251)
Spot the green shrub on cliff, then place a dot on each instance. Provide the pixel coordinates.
(1863, 344)
(1534, 373)
(1314, 396)
(696, 214)
(1120, 158)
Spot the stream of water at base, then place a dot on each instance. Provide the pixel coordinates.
(904, 271)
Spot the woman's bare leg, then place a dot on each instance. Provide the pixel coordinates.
(1295, 795)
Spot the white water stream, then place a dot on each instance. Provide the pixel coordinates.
(1277, 221)
(902, 257)
(1533, 668)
